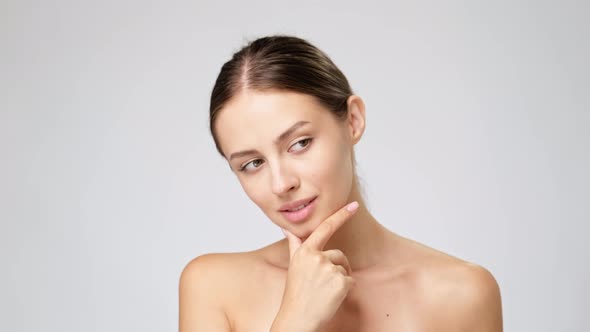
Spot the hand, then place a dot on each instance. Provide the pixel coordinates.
(317, 281)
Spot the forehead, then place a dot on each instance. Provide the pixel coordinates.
(253, 119)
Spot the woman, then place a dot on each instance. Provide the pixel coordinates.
(285, 119)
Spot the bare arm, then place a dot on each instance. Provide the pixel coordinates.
(200, 308)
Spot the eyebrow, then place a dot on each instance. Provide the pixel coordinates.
(277, 141)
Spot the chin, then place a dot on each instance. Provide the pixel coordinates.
(309, 227)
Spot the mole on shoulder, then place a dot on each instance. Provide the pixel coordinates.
(387, 315)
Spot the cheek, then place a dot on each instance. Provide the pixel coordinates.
(333, 174)
(254, 190)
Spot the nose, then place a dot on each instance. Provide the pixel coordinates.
(283, 180)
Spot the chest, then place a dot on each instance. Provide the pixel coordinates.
(371, 306)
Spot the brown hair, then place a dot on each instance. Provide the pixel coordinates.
(283, 63)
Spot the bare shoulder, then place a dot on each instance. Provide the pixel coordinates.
(471, 295)
(215, 273)
(209, 269)
(461, 294)
(205, 287)
(213, 285)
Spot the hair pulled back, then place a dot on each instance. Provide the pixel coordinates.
(281, 63)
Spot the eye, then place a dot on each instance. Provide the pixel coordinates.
(256, 163)
(302, 144)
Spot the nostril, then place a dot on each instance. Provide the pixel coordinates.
(284, 184)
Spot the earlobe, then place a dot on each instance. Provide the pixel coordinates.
(356, 117)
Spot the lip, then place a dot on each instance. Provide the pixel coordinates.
(299, 215)
(295, 204)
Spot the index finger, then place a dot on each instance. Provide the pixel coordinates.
(326, 229)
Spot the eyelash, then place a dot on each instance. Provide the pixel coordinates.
(308, 140)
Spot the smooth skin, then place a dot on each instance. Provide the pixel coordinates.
(339, 270)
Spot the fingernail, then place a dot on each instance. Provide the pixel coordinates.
(352, 206)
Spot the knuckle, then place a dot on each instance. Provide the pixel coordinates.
(339, 253)
(341, 281)
(318, 259)
(328, 228)
(340, 269)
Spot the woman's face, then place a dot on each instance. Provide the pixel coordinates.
(286, 147)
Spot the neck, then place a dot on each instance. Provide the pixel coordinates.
(361, 238)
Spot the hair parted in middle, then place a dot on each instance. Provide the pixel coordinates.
(283, 63)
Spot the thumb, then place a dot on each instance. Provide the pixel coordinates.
(294, 242)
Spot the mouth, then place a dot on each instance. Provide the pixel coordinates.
(296, 205)
(300, 212)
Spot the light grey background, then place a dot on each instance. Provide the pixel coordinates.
(477, 144)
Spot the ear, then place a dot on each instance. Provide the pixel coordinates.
(355, 118)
